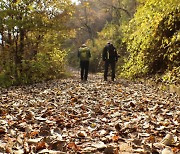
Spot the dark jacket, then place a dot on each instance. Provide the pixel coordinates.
(110, 53)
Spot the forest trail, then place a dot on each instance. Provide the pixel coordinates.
(69, 116)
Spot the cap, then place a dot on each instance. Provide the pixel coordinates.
(109, 42)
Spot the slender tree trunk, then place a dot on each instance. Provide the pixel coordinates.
(19, 51)
(2, 38)
(89, 29)
(16, 58)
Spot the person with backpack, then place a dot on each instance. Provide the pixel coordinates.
(109, 57)
(84, 55)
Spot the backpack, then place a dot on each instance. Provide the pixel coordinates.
(110, 52)
(84, 54)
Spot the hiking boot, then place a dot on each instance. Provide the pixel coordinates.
(113, 79)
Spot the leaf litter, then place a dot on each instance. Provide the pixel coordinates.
(69, 116)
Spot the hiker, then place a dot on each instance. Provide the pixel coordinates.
(84, 56)
(110, 57)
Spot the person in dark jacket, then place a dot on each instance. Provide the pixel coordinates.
(84, 56)
(110, 57)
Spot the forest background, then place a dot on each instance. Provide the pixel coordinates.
(40, 38)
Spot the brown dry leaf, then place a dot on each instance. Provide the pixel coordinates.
(58, 145)
(40, 145)
(118, 127)
(73, 146)
(74, 99)
(137, 142)
(95, 134)
(115, 138)
(33, 134)
(108, 103)
(3, 112)
(120, 90)
(151, 139)
(117, 151)
(176, 149)
(8, 150)
(29, 115)
(83, 107)
(45, 130)
(60, 121)
(2, 130)
(132, 104)
(110, 150)
(81, 134)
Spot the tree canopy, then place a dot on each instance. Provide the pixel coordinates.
(32, 35)
(152, 38)
(39, 38)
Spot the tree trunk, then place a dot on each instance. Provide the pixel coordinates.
(19, 50)
(16, 58)
(2, 38)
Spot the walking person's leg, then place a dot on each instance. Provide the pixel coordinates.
(113, 71)
(86, 70)
(82, 69)
(106, 65)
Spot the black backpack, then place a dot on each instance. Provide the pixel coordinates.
(111, 53)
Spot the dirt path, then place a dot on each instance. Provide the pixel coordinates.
(69, 116)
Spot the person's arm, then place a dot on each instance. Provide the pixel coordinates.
(89, 53)
(115, 54)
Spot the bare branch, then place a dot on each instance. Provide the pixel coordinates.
(114, 7)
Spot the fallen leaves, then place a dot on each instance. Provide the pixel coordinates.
(2, 130)
(40, 145)
(168, 139)
(115, 138)
(73, 146)
(68, 116)
(81, 134)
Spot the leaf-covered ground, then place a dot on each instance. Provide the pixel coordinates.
(69, 116)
